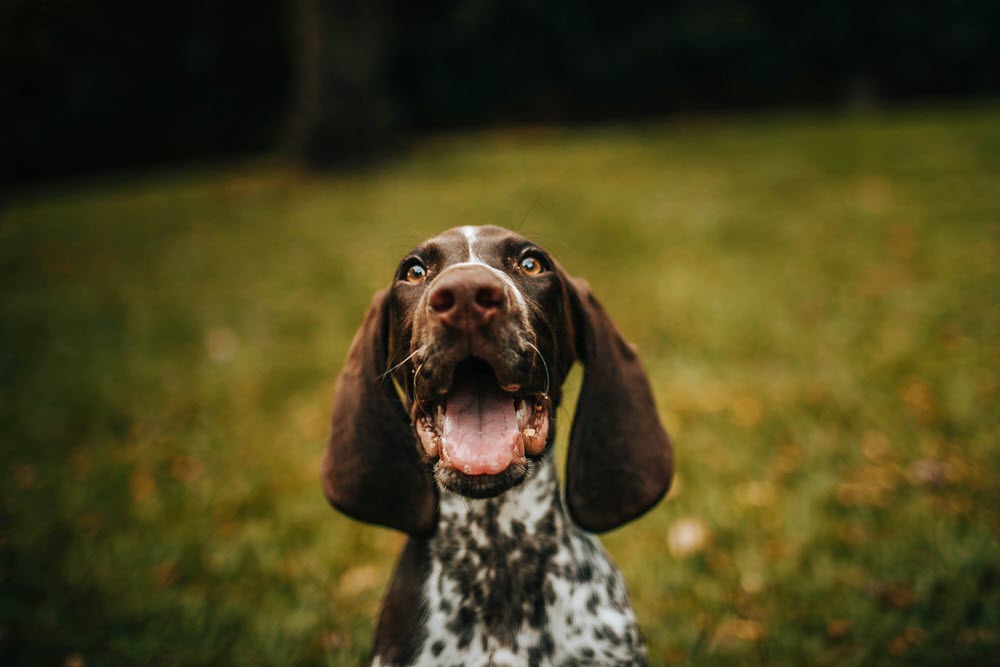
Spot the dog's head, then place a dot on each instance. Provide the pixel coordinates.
(454, 377)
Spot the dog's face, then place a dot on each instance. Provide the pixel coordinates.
(479, 340)
(479, 329)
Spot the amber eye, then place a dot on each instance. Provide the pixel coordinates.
(531, 265)
(416, 274)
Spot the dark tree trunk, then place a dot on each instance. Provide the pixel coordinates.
(340, 109)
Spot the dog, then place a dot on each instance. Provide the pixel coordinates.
(443, 423)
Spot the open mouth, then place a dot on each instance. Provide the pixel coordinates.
(480, 430)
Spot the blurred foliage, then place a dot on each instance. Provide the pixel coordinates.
(103, 85)
(108, 84)
(461, 61)
(816, 298)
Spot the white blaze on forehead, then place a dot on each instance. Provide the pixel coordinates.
(471, 233)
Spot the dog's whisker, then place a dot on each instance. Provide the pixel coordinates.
(397, 366)
(416, 379)
(528, 212)
(389, 364)
(545, 365)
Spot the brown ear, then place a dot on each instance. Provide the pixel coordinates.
(371, 469)
(620, 461)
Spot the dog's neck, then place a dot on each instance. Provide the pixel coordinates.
(531, 508)
(491, 560)
(512, 579)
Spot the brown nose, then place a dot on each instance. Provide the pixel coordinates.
(467, 298)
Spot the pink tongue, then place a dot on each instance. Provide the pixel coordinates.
(480, 435)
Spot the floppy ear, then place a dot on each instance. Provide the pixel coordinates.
(620, 462)
(371, 469)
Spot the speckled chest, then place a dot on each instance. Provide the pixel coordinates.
(513, 582)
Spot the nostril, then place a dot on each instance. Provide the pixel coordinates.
(489, 296)
(442, 300)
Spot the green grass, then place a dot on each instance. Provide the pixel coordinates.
(816, 298)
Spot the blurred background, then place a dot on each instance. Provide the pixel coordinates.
(100, 85)
(792, 209)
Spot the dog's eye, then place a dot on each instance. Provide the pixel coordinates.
(531, 265)
(416, 274)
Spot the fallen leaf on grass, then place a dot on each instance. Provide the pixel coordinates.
(687, 536)
(928, 472)
(142, 485)
(788, 460)
(902, 642)
(919, 398)
(875, 446)
(838, 628)
(898, 596)
(872, 485)
(186, 469)
(736, 630)
(758, 493)
(898, 645)
(359, 579)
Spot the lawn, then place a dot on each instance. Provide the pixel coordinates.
(815, 296)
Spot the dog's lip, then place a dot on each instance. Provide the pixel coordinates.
(509, 388)
(518, 388)
(482, 486)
